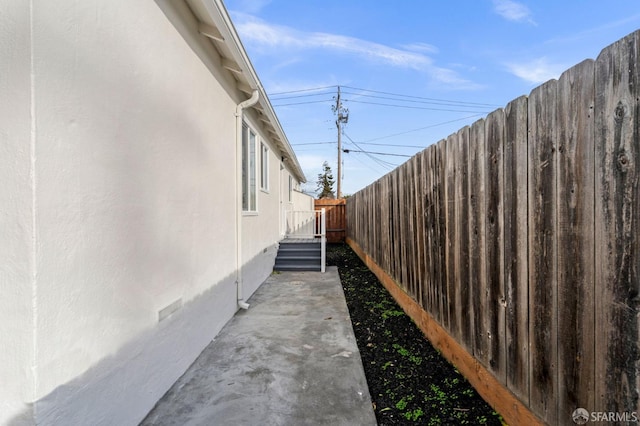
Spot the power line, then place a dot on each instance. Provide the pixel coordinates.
(412, 107)
(384, 164)
(376, 153)
(394, 145)
(313, 143)
(422, 128)
(395, 95)
(300, 96)
(444, 103)
(303, 90)
(421, 97)
(306, 102)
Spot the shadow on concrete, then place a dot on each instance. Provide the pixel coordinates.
(291, 359)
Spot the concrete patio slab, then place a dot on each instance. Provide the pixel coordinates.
(291, 359)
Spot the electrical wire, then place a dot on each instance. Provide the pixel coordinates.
(388, 166)
(415, 101)
(422, 128)
(422, 97)
(302, 103)
(303, 90)
(413, 107)
(314, 143)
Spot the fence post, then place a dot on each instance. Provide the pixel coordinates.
(323, 239)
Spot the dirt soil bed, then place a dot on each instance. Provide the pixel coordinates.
(409, 381)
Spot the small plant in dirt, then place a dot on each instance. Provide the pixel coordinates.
(409, 381)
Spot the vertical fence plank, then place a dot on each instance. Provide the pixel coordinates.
(543, 300)
(431, 223)
(576, 303)
(441, 230)
(424, 194)
(515, 248)
(385, 201)
(495, 296)
(412, 257)
(617, 225)
(462, 224)
(477, 257)
(451, 251)
(419, 226)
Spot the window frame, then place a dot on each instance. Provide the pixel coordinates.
(249, 170)
(264, 167)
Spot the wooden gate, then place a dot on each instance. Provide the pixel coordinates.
(335, 217)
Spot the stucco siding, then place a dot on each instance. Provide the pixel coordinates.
(119, 206)
(16, 218)
(133, 209)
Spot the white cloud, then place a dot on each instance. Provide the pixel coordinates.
(266, 36)
(536, 71)
(513, 11)
(256, 31)
(421, 47)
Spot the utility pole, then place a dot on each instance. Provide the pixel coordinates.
(343, 117)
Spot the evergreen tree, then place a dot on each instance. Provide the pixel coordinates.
(325, 182)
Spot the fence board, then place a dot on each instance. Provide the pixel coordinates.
(451, 251)
(477, 257)
(335, 218)
(617, 223)
(424, 247)
(519, 236)
(462, 224)
(543, 300)
(440, 162)
(576, 304)
(494, 223)
(431, 224)
(418, 226)
(515, 248)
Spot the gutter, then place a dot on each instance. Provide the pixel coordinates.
(239, 114)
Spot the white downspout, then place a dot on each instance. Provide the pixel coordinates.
(239, 112)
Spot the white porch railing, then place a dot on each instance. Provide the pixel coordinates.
(308, 225)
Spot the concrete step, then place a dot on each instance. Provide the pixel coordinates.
(298, 267)
(298, 256)
(301, 252)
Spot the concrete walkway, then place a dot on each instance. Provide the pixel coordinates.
(291, 359)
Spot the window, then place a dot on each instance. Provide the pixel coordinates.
(290, 189)
(264, 167)
(248, 170)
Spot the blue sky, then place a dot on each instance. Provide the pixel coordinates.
(411, 71)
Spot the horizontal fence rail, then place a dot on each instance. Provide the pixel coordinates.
(520, 236)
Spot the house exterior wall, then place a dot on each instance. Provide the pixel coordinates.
(118, 158)
(16, 246)
(262, 231)
(132, 137)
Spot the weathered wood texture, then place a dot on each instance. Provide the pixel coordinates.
(335, 219)
(617, 221)
(519, 236)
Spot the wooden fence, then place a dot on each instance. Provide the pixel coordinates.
(519, 235)
(335, 217)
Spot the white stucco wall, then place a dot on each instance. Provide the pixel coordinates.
(118, 207)
(302, 201)
(123, 172)
(16, 247)
(261, 231)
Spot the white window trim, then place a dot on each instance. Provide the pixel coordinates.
(290, 189)
(246, 184)
(264, 167)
